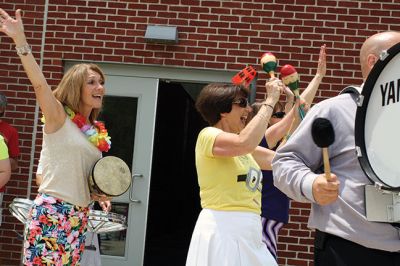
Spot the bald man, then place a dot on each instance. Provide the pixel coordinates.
(343, 234)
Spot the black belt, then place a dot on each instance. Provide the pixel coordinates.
(241, 178)
(322, 237)
(334, 250)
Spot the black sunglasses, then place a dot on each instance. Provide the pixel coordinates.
(278, 114)
(242, 102)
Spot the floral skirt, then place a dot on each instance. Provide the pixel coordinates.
(55, 232)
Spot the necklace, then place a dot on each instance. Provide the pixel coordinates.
(96, 134)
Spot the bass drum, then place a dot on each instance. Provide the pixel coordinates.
(377, 125)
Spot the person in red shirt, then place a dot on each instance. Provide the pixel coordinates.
(10, 135)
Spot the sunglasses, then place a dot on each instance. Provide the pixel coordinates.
(278, 114)
(242, 102)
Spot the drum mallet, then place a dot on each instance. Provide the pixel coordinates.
(323, 136)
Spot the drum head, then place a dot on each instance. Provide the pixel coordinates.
(376, 126)
(112, 176)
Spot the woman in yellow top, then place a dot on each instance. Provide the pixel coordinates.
(5, 169)
(228, 162)
(5, 166)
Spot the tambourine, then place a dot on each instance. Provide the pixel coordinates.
(377, 126)
(245, 76)
(110, 176)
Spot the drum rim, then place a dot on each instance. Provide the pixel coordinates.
(22, 214)
(94, 180)
(20, 207)
(115, 221)
(361, 114)
(23, 200)
(112, 215)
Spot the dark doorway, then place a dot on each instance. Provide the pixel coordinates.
(174, 202)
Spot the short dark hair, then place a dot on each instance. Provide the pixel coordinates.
(216, 98)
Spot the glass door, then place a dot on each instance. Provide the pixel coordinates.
(129, 114)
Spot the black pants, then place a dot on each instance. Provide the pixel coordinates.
(330, 250)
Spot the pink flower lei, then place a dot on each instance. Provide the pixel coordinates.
(96, 134)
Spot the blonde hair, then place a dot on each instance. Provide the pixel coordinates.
(69, 91)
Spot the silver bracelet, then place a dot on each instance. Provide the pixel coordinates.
(23, 50)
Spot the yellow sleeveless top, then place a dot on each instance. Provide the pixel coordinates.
(226, 183)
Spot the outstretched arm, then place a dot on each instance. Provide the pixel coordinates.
(51, 108)
(289, 99)
(276, 132)
(290, 122)
(309, 93)
(263, 157)
(231, 144)
(296, 165)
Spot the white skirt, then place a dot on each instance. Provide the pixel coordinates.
(228, 238)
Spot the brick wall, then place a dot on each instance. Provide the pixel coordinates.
(213, 34)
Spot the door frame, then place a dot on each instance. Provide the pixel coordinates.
(168, 73)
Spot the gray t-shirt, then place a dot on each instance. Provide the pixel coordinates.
(299, 161)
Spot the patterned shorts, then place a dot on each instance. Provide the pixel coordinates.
(55, 235)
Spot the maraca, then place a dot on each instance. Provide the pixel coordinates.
(268, 63)
(290, 78)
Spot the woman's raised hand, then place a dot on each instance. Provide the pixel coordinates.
(321, 70)
(274, 88)
(13, 28)
(289, 94)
